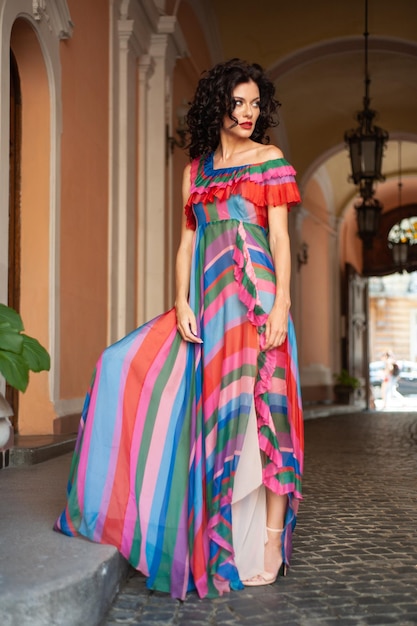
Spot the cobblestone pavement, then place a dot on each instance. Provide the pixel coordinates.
(355, 545)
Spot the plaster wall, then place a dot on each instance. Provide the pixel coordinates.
(389, 193)
(315, 277)
(84, 198)
(392, 323)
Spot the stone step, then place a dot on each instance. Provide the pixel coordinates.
(48, 579)
(33, 449)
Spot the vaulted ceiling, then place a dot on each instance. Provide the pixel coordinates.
(314, 51)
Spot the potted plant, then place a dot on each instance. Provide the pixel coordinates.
(19, 354)
(344, 386)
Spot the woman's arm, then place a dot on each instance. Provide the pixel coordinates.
(279, 241)
(186, 322)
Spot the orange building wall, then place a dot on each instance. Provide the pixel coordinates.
(35, 409)
(390, 325)
(84, 194)
(315, 280)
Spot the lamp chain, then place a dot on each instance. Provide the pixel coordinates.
(367, 79)
(400, 184)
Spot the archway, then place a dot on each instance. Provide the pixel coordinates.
(33, 211)
(12, 396)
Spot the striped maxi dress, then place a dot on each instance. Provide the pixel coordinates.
(164, 422)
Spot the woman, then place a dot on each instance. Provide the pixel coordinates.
(390, 382)
(176, 404)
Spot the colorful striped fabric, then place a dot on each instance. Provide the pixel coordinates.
(164, 422)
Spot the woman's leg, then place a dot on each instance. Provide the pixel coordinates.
(275, 515)
(276, 507)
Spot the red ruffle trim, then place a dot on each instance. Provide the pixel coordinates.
(261, 195)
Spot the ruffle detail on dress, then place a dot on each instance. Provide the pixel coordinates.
(191, 222)
(203, 172)
(267, 361)
(246, 279)
(271, 183)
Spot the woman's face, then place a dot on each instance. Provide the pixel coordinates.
(246, 110)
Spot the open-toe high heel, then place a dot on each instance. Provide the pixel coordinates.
(266, 577)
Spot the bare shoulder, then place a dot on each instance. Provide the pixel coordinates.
(186, 177)
(270, 152)
(187, 170)
(186, 180)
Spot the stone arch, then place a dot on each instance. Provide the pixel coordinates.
(339, 46)
(34, 29)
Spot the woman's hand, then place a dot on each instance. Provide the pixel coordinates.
(277, 323)
(186, 323)
(276, 327)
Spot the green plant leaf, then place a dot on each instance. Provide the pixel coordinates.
(345, 379)
(12, 317)
(10, 339)
(35, 355)
(14, 369)
(19, 353)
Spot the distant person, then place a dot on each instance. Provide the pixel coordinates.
(391, 375)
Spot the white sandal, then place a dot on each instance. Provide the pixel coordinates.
(267, 578)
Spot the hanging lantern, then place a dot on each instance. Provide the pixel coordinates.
(366, 146)
(399, 251)
(368, 213)
(366, 149)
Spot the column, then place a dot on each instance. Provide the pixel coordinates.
(166, 46)
(145, 68)
(122, 214)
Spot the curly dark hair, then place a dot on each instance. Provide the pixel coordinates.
(213, 101)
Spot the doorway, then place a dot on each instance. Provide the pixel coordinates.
(14, 262)
(393, 332)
